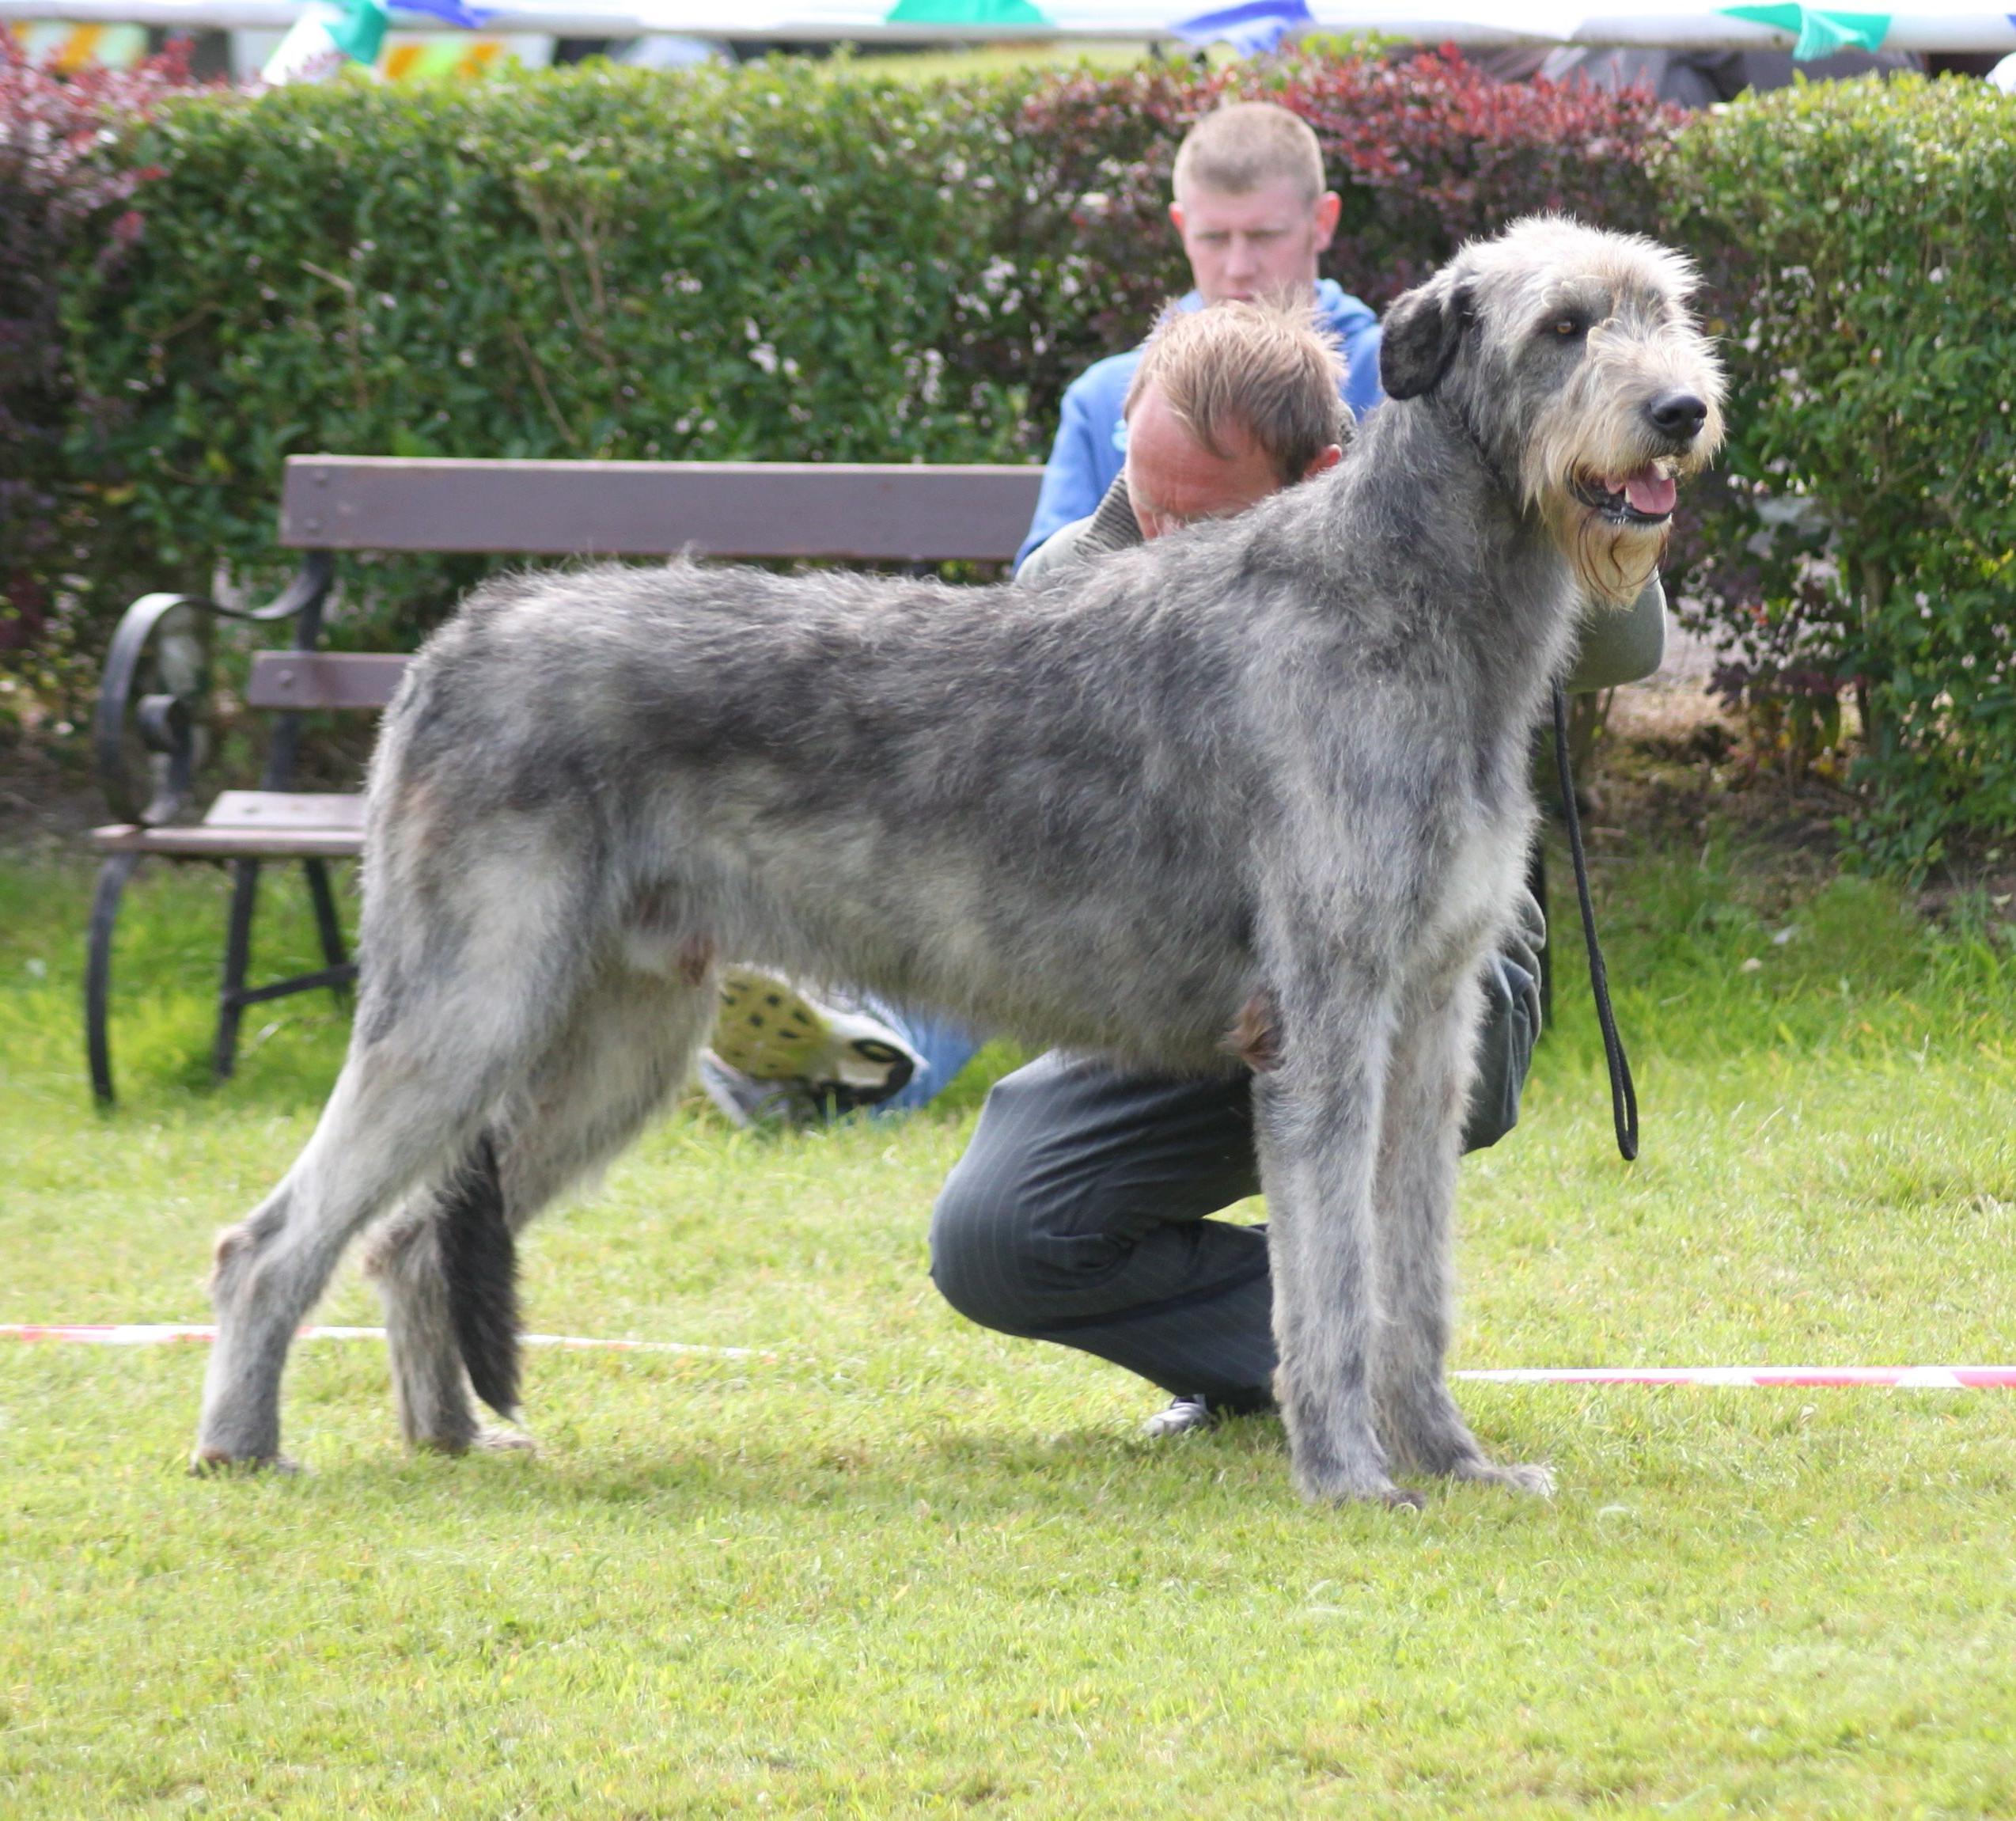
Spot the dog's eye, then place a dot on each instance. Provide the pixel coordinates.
(1568, 328)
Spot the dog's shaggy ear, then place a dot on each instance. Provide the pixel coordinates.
(1419, 337)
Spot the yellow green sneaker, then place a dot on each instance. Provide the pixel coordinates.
(769, 1030)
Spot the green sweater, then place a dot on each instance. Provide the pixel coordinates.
(1615, 647)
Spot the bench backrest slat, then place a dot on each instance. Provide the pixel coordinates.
(322, 679)
(859, 512)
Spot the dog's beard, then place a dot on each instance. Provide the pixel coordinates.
(1610, 521)
(1612, 562)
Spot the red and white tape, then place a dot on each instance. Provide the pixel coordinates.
(1893, 1378)
(152, 1333)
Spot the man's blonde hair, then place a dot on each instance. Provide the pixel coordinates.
(1263, 369)
(1239, 148)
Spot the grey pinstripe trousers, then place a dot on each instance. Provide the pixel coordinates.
(1079, 1213)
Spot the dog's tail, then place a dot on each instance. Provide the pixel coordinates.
(481, 1259)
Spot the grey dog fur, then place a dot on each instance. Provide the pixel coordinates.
(1280, 760)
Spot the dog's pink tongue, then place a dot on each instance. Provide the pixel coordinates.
(1651, 494)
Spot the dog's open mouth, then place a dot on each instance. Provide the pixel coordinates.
(1645, 496)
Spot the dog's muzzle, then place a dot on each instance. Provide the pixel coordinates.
(1646, 496)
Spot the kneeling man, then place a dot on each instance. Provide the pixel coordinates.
(1080, 1212)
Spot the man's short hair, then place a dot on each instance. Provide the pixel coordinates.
(1239, 148)
(1265, 368)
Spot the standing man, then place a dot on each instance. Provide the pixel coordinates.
(1254, 217)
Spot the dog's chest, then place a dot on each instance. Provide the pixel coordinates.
(1472, 900)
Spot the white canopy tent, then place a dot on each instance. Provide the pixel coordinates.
(1921, 25)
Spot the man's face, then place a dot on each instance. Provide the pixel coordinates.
(1173, 480)
(1259, 244)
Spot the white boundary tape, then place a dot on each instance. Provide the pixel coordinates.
(152, 1333)
(1893, 1378)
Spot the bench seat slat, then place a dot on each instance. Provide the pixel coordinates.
(287, 810)
(858, 511)
(252, 824)
(206, 843)
(285, 680)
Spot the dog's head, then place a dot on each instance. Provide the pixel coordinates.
(1575, 363)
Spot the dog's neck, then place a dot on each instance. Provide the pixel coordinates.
(1432, 486)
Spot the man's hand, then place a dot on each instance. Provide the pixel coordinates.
(1520, 944)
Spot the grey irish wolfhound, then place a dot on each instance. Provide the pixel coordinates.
(1268, 773)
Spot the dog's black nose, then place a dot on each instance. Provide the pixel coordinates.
(1679, 414)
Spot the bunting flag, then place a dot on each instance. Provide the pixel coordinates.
(334, 33)
(1249, 29)
(965, 12)
(1821, 30)
(1259, 25)
(450, 12)
(360, 32)
(324, 38)
(329, 35)
(1255, 25)
(67, 49)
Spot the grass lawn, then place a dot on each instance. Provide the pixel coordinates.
(896, 1566)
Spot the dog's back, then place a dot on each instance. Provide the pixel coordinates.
(998, 801)
(980, 797)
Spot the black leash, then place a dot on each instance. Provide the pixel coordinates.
(1623, 1096)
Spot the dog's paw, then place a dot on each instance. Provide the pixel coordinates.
(477, 1438)
(210, 1464)
(1339, 1490)
(495, 1439)
(1521, 1477)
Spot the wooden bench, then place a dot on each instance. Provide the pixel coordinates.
(150, 732)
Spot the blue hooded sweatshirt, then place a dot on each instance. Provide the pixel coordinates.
(1091, 445)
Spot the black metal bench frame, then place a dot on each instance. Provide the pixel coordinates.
(150, 730)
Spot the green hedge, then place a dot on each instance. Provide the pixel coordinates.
(604, 262)
(1864, 238)
(62, 207)
(785, 263)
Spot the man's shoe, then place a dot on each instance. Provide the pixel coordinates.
(1189, 1410)
(768, 1030)
(1183, 1415)
(749, 1102)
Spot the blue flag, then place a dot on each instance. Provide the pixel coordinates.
(1255, 25)
(448, 11)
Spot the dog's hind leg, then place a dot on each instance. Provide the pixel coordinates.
(444, 1266)
(386, 1124)
(1426, 1097)
(1317, 1127)
(406, 1257)
(452, 1012)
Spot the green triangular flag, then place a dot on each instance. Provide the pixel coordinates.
(361, 31)
(966, 13)
(1822, 31)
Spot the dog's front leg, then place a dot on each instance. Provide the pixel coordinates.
(1426, 1098)
(1317, 1123)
